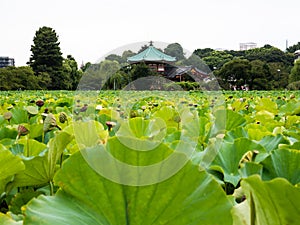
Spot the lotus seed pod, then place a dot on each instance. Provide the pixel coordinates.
(22, 130)
(7, 115)
(84, 108)
(39, 103)
(50, 123)
(63, 117)
(177, 119)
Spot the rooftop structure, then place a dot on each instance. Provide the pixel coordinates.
(151, 54)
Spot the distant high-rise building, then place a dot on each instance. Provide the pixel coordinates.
(247, 46)
(6, 61)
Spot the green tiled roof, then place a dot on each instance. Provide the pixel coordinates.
(151, 54)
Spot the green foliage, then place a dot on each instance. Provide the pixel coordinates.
(260, 76)
(99, 76)
(20, 78)
(216, 59)
(294, 86)
(203, 52)
(269, 54)
(10, 165)
(114, 57)
(144, 47)
(294, 48)
(274, 202)
(175, 50)
(72, 74)
(283, 163)
(46, 59)
(247, 146)
(295, 72)
(236, 71)
(112, 203)
(229, 157)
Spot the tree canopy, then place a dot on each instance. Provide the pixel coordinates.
(50, 68)
(295, 72)
(20, 78)
(175, 50)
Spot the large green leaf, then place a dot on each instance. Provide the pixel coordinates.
(8, 132)
(9, 166)
(290, 108)
(227, 120)
(147, 134)
(266, 104)
(41, 169)
(249, 168)
(87, 134)
(273, 202)
(36, 172)
(230, 155)
(9, 163)
(283, 163)
(7, 220)
(271, 142)
(191, 197)
(19, 116)
(31, 147)
(56, 147)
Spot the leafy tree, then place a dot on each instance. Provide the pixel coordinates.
(144, 47)
(293, 48)
(19, 78)
(295, 72)
(91, 79)
(175, 50)
(47, 58)
(196, 61)
(234, 53)
(126, 54)
(117, 81)
(260, 78)
(294, 86)
(84, 67)
(268, 54)
(71, 72)
(140, 70)
(216, 59)
(236, 72)
(114, 57)
(203, 52)
(108, 68)
(96, 75)
(279, 75)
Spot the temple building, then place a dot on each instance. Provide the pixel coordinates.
(164, 65)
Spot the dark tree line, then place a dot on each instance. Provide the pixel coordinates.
(264, 68)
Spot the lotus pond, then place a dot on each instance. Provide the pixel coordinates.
(236, 157)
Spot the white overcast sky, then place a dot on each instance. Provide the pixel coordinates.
(88, 29)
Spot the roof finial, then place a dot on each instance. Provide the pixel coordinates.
(151, 43)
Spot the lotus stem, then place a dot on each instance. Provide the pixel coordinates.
(51, 188)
